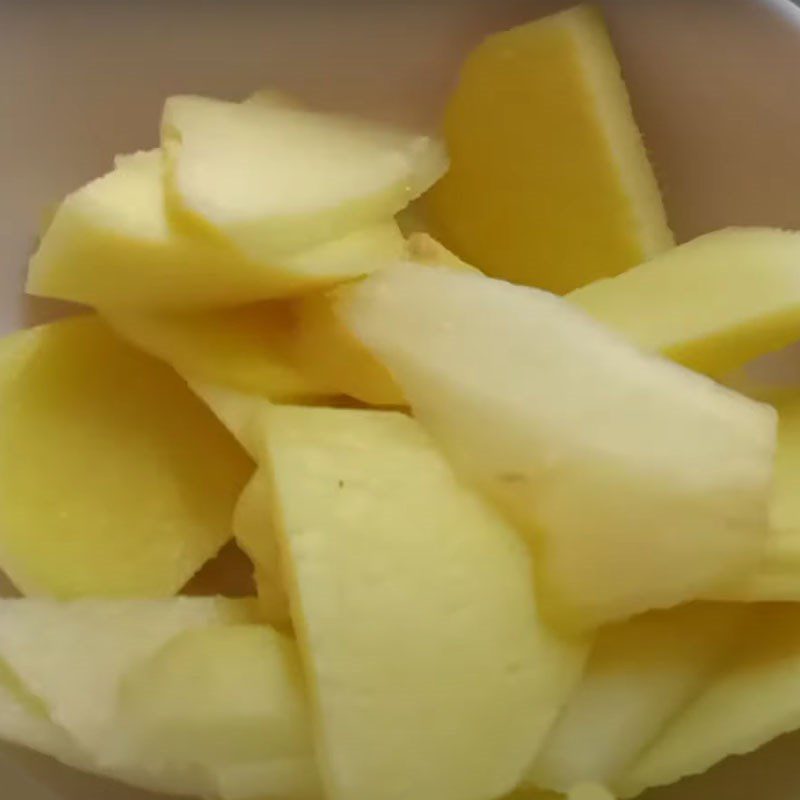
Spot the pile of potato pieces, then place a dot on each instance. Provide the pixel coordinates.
(500, 542)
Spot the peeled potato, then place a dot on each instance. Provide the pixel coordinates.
(71, 656)
(114, 479)
(639, 675)
(712, 304)
(606, 457)
(271, 179)
(752, 701)
(549, 183)
(254, 528)
(247, 349)
(113, 244)
(415, 612)
(227, 698)
(777, 576)
(325, 348)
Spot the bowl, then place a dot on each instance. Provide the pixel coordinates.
(715, 86)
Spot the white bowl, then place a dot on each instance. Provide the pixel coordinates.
(715, 85)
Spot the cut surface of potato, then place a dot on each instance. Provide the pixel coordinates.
(639, 675)
(113, 244)
(751, 702)
(247, 349)
(777, 576)
(325, 348)
(549, 183)
(254, 529)
(23, 721)
(73, 655)
(641, 484)
(711, 304)
(114, 479)
(24, 724)
(239, 412)
(413, 603)
(227, 697)
(272, 179)
(424, 249)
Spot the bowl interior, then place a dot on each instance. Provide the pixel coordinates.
(715, 87)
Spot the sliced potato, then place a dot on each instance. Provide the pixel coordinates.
(270, 179)
(325, 348)
(550, 183)
(605, 456)
(114, 479)
(414, 608)
(113, 244)
(640, 674)
(777, 576)
(78, 685)
(229, 698)
(247, 349)
(255, 531)
(712, 304)
(751, 702)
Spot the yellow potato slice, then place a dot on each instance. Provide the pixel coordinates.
(777, 577)
(114, 479)
(753, 701)
(640, 674)
(326, 349)
(112, 244)
(271, 179)
(247, 349)
(605, 456)
(254, 528)
(231, 700)
(711, 304)
(549, 183)
(78, 685)
(415, 612)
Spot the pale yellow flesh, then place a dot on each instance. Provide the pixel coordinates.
(777, 576)
(254, 528)
(751, 702)
(113, 244)
(424, 249)
(246, 349)
(323, 347)
(326, 349)
(271, 179)
(431, 674)
(114, 479)
(640, 674)
(239, 412)
(78, 685)
(532, 401)
(549, 183)
(227, 697)
(712, 304)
